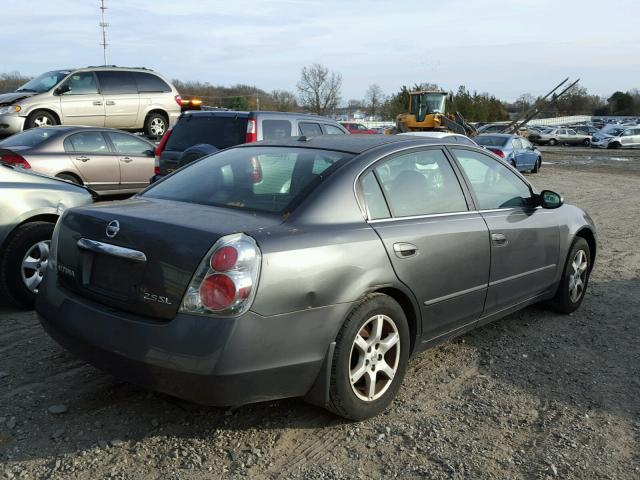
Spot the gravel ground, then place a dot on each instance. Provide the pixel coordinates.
(535, 395)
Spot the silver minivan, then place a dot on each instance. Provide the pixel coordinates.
(127, 98)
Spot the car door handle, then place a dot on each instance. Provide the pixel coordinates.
(499, 240)
(97, 103)
(83, 159)
(126, 159)
(110, 102)
(404, 250)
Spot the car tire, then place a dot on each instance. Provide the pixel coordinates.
(553, 142)
(536, 167)
(28, 241)
(614, 145)
(155, 125)
(577, 268)
(69, 178)
(41, 118)
(586, 142)
(358, 347)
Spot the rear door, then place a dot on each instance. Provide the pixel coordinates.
(82, 104)
(135, 157)
(524, 239)
(627, 137)
(121, 99)
(98, 166)
(438, 246)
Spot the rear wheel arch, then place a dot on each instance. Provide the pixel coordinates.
(45, 217)
(410, 311)
(158, 111)
(70, 174)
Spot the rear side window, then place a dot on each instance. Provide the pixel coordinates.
(266, 179)
(86, 142)
(310, 129)
(112, 83)
(148, 82)
(374, 198)
(220, 132)
(274, 129)
(332, 130)
(421, 183)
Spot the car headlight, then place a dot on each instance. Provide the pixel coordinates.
(10, 109)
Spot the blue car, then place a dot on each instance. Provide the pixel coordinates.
(516, 150)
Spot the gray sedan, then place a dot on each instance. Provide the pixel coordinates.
(30, 205)
(108, 161)
(308, 267)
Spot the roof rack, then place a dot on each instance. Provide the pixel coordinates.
(116, 66)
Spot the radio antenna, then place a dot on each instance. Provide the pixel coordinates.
(104, 26)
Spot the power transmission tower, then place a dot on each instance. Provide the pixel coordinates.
(104, 26)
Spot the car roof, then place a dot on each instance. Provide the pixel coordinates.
(253, 113)
(355, 144)
(502, 135)
(432, 134)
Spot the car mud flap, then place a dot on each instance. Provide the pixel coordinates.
(319, 393)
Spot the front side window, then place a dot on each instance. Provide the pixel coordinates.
(494, 184)
(82, 83)
(332, 130)
(86, 142)
(128, 144)
(421, 183)
(265, 179)
(310, 129)
(275, 129)
(116, 82)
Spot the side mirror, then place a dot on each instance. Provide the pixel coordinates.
(62, 89)
(148, 153)
(549, 199)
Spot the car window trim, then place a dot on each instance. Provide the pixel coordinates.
(532, 190)
(357, 186)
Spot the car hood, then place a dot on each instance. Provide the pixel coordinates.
(11, 98)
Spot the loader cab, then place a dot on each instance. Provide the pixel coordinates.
(426, 102)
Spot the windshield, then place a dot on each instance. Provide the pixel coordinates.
(614, 132)
(266, 179)
(29, 138)
(426, 103)
(490, 141)
(44, 82)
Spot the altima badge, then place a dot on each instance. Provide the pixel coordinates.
(113, 227)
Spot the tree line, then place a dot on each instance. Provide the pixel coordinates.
(319, 91)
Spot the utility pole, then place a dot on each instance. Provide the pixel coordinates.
(104, 26)
(257, 102)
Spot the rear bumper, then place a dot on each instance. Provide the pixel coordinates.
(221, 362)
(10, 124)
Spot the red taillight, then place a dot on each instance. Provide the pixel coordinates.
(178, 99)
(224, 258)
(217, 292)
(252, 131)
(497, 151)
(15, 160)
(256, 170)
(163, 142)
(156, 170)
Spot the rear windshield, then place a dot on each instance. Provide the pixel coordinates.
(29, 138)
(490, 141)
(221, 132)
(266, 179)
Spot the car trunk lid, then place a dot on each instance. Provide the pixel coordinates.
(144, 262)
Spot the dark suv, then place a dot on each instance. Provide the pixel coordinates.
(199, 133)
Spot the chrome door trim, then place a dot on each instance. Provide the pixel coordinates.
(454, 294)
(113, 250)
(520, 275)
(417, 217)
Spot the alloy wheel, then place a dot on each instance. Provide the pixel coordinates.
(42, 121)
(578, 275)
(34, 265)
(157, 127)
(374, 359)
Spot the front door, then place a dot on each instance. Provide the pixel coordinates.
(90, 154)
(121, 99)
(135, 157)
(438, 247)
(524, 239)
(82, 104)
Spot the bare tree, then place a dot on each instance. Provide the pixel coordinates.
(373, 99)
(319, 89)
(9, 81)
(284, 101)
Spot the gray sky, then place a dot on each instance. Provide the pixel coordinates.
(503, 47)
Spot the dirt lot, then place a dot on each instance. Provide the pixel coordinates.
(535, 395)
